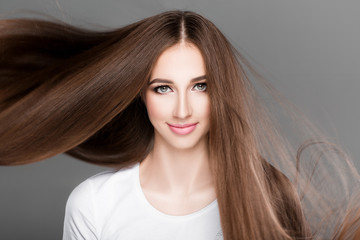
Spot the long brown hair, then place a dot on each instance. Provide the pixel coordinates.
(69, 90)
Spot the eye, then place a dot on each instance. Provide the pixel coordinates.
(200, 87)
(162, 89)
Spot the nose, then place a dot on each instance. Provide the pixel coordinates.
(182, 108)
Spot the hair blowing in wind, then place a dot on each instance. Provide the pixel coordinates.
(65, 89)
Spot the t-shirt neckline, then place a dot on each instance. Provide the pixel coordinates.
(154, 210)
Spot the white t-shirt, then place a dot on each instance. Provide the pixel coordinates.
(112, 206)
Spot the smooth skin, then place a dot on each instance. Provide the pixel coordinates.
(175, 177)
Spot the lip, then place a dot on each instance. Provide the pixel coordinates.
(182, 129)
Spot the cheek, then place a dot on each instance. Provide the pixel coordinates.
(157, 108)
(202, 106)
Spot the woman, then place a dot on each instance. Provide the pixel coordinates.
(167, 101)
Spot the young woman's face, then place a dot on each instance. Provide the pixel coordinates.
(177, 100)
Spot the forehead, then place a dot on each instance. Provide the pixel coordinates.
(180, 62)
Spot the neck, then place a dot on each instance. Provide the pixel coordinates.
(177, 171)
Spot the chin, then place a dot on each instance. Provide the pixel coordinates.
(178, 142)
(185, 144)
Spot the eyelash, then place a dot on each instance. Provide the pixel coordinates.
(158, 87)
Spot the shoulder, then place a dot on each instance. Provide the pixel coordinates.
(101, 184)
(92, 200)
(85, 189)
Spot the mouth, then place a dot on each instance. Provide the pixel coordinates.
(182, 129)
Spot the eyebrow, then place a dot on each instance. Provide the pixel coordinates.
(162, 80)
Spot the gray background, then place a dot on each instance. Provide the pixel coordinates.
(308, 49)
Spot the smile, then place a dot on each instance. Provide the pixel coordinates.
(182, 129)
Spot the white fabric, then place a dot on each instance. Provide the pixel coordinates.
(112, 206)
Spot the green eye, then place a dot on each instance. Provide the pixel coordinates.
(200, 86)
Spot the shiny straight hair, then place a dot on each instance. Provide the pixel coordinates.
(64, 89)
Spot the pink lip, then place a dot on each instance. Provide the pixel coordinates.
(182, 129)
